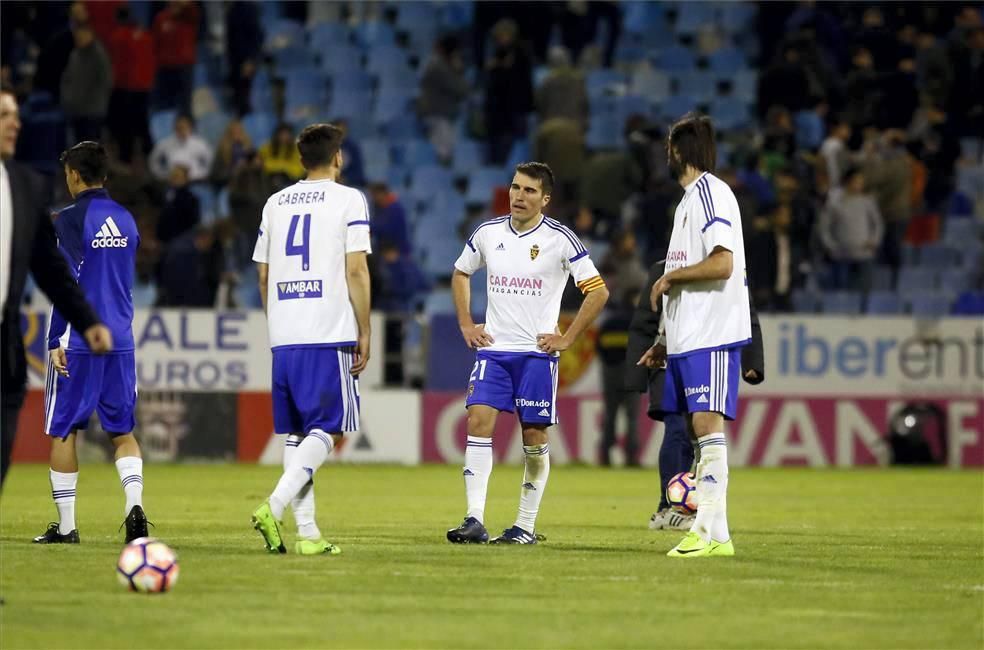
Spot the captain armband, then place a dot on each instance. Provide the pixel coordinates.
(591, 284)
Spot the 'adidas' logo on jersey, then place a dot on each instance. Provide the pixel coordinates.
(500, 247)
(544, 413)
(702, 399)
(109, 236)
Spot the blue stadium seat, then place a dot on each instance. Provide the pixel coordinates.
(846, 303)
(884, 303)
(398, 129)
(626, 105)
(805, 302)
(916, 278)
(416, 153)
(969, 303)
(810, 129)
(736, 17)
(374, 33)
(604, 81)
(691, 16)
(929, 304)
(652, 84)
(327, 37)
(604, 131)
(212, 125)
(881, 278)
(259, 126)
(382, 57)
(955, 280)
(390, 104)
(643, 17)
(375, 159)
(519, 153)
(729, 113)
(450, 204)
(260, 93)
(700, 85)
(282, 34)
(959, 230)
(972, 149)
(970, 180)
(467, 156)
(144, 294)
(206, 200)
(427, 180)
(352, 81)
(910, 254)
(744, 84)
(676, 106)
(482, 183)
(937, 255)
(726, 61)
(340, 59)
(677, 58)
(295, 56)
(349, 103)
(222, 208)
(162, 124)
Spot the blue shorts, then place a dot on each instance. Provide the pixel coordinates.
(101, 384)
(313, 389)
(524, 382)
(703, 381)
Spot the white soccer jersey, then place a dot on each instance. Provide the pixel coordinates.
(306, 231)
(709, 315)
(527, 273)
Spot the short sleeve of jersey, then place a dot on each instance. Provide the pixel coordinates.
(471, 258)
(261, 253)
(715, 217)
(578, 260)
(357, 237)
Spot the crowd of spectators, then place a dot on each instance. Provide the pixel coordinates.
(864, 117)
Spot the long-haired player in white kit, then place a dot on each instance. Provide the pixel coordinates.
(314, 279)
(707, 322)
(529, 258)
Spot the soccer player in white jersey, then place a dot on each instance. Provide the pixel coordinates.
(314, 279)
(707, 322)
(529, 258)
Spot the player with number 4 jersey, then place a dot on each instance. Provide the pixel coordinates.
(314, 280)
(529, 258)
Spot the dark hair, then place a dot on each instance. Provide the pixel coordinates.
(89, 160)
(185, 116)
(318, 144)
(540, 171)
(851, 172)
(693, 138)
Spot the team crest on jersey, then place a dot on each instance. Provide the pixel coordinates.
(294, 289)
(534, 251)
(471, 389)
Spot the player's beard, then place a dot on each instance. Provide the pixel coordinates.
(677, 168)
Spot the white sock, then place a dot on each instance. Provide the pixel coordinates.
(712, 487)
(534, 483)
(303, 504)
(307, 458)
(63, 493)
(478, 469)
(130, 469)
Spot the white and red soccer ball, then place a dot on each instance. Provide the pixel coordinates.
(681, 493)
(148, 566)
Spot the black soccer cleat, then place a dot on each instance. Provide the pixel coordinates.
(471, 531)
(136, 524)
(515, 535)
(52, 536)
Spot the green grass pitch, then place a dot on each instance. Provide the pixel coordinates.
(826, 559)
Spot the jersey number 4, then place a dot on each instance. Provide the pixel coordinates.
(304, 248)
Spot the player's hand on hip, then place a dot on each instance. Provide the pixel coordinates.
(654, 357)
(551, 343)
(59, 361)
(361, 355)
(659, 288)
(476, 336)
(99, 338)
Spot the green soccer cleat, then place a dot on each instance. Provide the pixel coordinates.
(320, 547)
(693, 546)
(269, 527)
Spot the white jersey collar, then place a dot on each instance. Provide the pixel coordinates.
(532, 230)
(693, 183)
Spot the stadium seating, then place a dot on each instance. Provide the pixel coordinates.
(162, 124)
(427, 180)
(677, 58)
(259, 126)
(846, 303)
(929, 304)
(804, 301)
(482, 182)
(915, 278)
(884, 303)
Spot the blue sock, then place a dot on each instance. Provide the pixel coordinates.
(676, 454)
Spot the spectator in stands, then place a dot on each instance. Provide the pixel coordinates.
(86, 85)
(249, 189)
(181, 210)
(389, 218)
(54, 52)
(184, 147)
(562, 93)
(176, 47)
(443, 89)
(785, 82)
(774, 259)
(834, 152)
(934, 74)
(851, 230)
(191, 270)
(559, 142)
(888, 175)
(966, 101)
(613, 340)
(244, 44)
(401, 282)
(862, 89)
(131, 48)
(779, 139)
(232, 150)
(280, 155)
(622, 267)
(579, 23)
(508, 90)
(353, 171)
(102, 17)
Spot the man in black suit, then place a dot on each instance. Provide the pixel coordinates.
(27, 243)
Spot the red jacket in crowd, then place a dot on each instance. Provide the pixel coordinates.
(176, 34)
(102, 17)
(132, 50)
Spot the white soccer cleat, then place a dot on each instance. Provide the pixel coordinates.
(670, 519)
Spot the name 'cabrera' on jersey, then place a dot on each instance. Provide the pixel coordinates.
(527, 273)
(710, 315)
(306, 231)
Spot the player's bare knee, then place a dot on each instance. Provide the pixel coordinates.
(534, 435)
(706, 423)
(480, 424)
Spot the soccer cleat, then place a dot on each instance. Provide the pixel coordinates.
(269, 527)
(471, 531)
(693, 546)
(52, 536)
(319, 547)
(136, 524)
(670, 519)
(515, 535)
